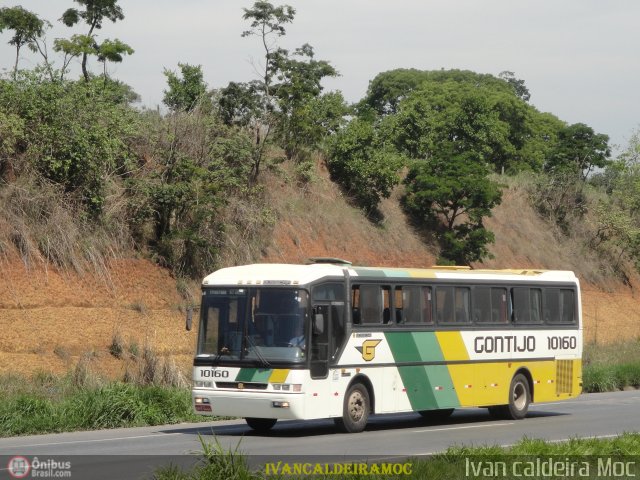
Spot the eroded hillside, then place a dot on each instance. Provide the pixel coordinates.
(51, 318)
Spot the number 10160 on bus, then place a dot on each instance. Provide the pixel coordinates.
(333, 340)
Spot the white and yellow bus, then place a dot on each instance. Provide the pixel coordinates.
(332, 340)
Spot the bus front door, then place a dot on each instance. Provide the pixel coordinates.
(320, 335)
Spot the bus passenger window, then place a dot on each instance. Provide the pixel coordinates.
(411, 305)
(370, 304)
(489, 305)
(355, 305)
(444, 304)
(567, 306)
(551, 305)
(535, 305)
(463, 305)
(427, 305)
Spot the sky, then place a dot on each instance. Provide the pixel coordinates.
(579, 58)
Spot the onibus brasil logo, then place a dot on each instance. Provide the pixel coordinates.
(368, 349)
(19, 467)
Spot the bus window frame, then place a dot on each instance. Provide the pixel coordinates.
(471, 325)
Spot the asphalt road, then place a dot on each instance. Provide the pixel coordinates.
(387, 436)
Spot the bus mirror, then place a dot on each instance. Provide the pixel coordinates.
(318, 324)
(189, 324)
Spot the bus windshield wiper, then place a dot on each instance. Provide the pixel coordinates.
(263, 361)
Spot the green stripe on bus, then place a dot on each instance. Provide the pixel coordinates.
(414, 347)
(421, 381)
(396, 273)
(369, 272)
(260, 375)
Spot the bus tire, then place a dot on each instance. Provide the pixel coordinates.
(441, 414)
(355, 411)
(261, 424)
(519, 400)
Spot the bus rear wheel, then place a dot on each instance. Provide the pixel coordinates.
(261, 424)
(519, 400)
(355, 412)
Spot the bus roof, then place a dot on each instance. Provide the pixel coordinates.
(290, 274)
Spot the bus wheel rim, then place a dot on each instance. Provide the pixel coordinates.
(356, 406)
(519, 396)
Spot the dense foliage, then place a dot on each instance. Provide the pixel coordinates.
(173, 181)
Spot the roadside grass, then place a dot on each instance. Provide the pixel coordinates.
(612, 367)
(59, 405)
(153, 392)
(218, 463)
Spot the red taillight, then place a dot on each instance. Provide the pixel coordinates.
(203, 408)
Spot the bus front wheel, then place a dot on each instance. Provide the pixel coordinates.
(519, 400)
(355, 411)
(261, 424)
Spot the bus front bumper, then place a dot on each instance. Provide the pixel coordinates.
(285, 406)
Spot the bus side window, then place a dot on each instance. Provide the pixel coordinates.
(427, 305)
(411, 305)
(444, 304)
(398, 303)
(551, 305)
(369, 303)
(355, 305)
(567, 306)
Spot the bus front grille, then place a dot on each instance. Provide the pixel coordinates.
(242, 385)
(564, 376)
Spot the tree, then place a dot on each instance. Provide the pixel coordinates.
(27, 28)
(299, 86)
(94, 14)
(112, 51)
(578, 151)
(267, 21)
(387, 90)
(196, 165)
(184, 93)
(364, 165)
(517, 84)
(289, 81)
(452, 117)
(452, 194)
(240, 103)
(74, 133)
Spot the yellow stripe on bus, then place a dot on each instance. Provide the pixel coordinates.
(279, 375)
(452, 346)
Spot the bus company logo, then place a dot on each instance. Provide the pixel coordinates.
(368, 349)
(18, 467)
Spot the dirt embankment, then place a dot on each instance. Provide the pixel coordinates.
(49, 318)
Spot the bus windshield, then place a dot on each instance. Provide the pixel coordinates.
(257, 325)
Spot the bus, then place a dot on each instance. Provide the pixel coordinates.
(332, 340)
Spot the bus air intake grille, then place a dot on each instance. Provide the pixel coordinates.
(564, 376)
(242, 385)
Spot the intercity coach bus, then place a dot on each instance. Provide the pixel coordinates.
(333, 340)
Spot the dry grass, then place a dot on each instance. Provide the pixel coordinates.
(315, 219)
(46, 228)
(149, 368)
(523, 239)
